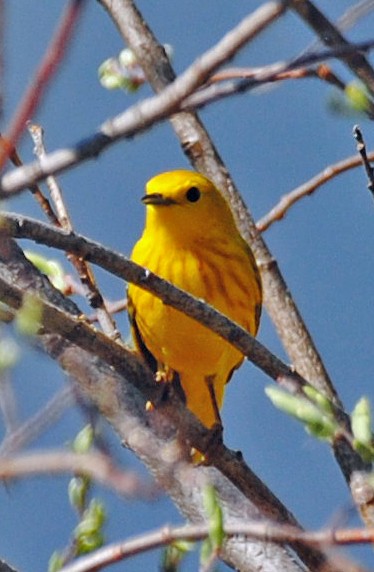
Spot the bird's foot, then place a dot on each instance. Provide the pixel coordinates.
(213, 442)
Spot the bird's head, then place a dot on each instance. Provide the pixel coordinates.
(186, 205)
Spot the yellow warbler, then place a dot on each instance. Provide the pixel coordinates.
(190, 239)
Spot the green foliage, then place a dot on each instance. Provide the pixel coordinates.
(9, 353)
(124, 72)
(50, 268)
(361, 428)
(88, 535)
(84, 440)
(354, 102)
(174, 554)
(78, 489)
(56, 562)
(213, 543)
(28, 317)
(315, 413)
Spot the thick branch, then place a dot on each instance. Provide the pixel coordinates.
(153, 436)
(204, 156)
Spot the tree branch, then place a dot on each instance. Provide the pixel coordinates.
(119, 386)
(95, 465)
(307, 188)
(332, 37)
(275, 533)
(52, 58)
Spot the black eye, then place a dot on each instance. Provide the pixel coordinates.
(193, 194)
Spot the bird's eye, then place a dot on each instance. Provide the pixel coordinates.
(193, 194)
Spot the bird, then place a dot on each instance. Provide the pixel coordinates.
(190, 238)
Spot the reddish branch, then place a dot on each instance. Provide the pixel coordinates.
(53, 57)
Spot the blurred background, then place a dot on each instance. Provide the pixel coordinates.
(272, 139)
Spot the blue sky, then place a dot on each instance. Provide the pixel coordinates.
(272, 140)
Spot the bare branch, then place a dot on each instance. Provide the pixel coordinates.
(200, 150)
(148, 112)
(19, 226)
(48, 67)
(262, 531)
(332, 37)
(35, 425)
(307, 188)
(161, 438)
(95, 465)
(361, 148)
(87, 278)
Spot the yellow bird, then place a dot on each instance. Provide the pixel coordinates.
(190, 239)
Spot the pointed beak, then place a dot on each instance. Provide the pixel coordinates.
(157, 199)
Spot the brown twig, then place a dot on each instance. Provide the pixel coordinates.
(2, 55)
(26, 433)
(307, 188)
(332, 37)
(94, 464)
(47, 69)
(149, 112)
(34, 189)
(361, 148)
(85, 273)
(264, 531)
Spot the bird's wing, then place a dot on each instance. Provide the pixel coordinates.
(138, 340)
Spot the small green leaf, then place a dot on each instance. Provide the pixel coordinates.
(51, 268)
(77, 491)
(84, 440)
(9, 353)
(174, 554)
(88, 534)
(361, 421)
(215, 518)
(357, 96)
(316, 421)
(318, 398)
(28, 317)
(56, 562)
(362, 430)
(124, 72)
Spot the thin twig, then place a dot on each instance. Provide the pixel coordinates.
(260, 530)
(361, 148)
(138, 118)
(34, 189)
(307, 188)
(332, 37)
(26, 433)
(94, 464)
(85, 273)
(271, 73)
(53, 57)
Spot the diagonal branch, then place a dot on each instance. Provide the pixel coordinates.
(203, 155)
(119, 388)
(48, 67)
(168, 535)
(332, 37)
(23, 227)
(309, 187)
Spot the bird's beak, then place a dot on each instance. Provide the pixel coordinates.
(157, 199)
